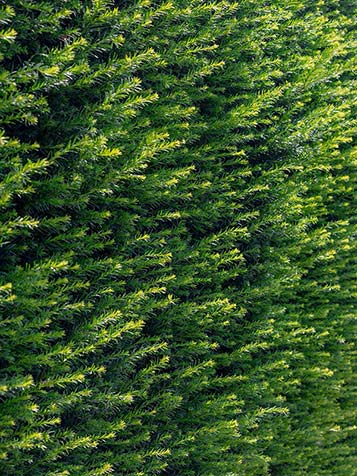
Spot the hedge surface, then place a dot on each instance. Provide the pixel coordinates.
(177, 247)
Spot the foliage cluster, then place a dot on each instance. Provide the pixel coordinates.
(177, 248)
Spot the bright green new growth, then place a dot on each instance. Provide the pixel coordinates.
(177, 247)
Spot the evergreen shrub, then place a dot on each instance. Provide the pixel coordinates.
(177, 247)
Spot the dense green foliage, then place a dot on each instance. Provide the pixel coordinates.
(177, 254)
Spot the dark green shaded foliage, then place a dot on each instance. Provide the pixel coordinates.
(177, 238)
